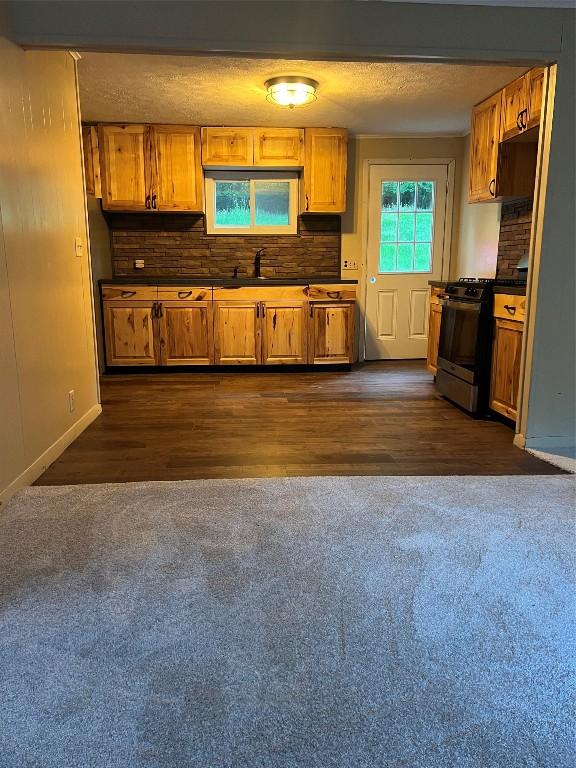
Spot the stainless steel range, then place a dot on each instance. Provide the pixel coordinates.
(465, 348)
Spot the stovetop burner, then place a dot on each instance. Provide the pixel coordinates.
(492, 281)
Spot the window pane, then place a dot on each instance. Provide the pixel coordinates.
(272, 203)
(405, 257)
(425, 195)
(387, 258)
(232, 203)
(407, 195)
(423, 227)
(390, 195)
(423, 257)
(406, 227)
(388, 227)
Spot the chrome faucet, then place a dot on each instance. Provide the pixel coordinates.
(258, 262)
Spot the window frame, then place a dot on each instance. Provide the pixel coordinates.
(292, 177)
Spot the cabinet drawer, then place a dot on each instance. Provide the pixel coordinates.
(184, 293)
(336, 292)
(130, 292)
(510, 307)
(256, 293)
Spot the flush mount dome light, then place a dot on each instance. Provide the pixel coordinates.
(291, 91)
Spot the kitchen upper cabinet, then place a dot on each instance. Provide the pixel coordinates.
(91, 160)
(323, 188)
(284, 332)
(178, 181)
(514, 108)
(484, 140)
(225, 147)
(237, 332)
(535, 88)
(129, 332)
(279, 147)
(126, 167)
(434, 320)
(331, 333)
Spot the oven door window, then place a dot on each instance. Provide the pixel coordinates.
(459, 334)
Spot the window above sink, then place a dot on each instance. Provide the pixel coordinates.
(251, 203)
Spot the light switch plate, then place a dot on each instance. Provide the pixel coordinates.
(350, 264)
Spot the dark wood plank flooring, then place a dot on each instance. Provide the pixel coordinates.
(379, 419)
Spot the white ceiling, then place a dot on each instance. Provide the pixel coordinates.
(365, 97)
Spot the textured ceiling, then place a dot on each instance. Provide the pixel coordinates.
(365, 97)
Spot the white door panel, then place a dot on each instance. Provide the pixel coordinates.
(406, 225)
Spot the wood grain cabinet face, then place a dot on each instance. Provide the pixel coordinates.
(284, 333)
(279, 147)
(324, 179)
(186, 333)
(331, 333)
(126, 167)
(434, 321)
(505, 375)
(535, 88)
(91, 160)
(484, 141)
(514, 108)
(130, 333)
(178, 181)
(236, 333)
(223, 147)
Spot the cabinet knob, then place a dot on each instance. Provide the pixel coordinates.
(128, 294)
(492, 187)
(147, 202)
(509, 308)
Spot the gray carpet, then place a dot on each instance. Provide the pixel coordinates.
(289, 623)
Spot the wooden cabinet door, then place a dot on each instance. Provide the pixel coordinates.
(223, 147)
(284, 332)
(91, 160)
(484, 141)
(125, 167)
(186, 333)
(505, 375)
(278, 147)
(237, 333)
(535, 87)
(514, 108)
(325, 163)
(434, 320)
(130, 333)
(331, 333)
(178, 180)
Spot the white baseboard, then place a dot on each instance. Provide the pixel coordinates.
(50, 455)
(519, 441)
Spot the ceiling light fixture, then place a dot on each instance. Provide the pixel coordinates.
(291, 91)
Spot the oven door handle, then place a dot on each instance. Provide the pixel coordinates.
(468, 306)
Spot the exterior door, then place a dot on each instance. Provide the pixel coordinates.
(407, 210)
(237, 332)
(284, 332)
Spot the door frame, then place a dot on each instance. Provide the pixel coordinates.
(450, 164)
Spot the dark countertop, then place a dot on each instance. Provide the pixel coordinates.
(438, 283)
(224, 281)
(513, 290)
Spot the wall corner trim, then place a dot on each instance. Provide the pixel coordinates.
(519, 440)
(50, 455)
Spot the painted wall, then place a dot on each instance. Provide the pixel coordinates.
(477, 242)
(46, 320)
(373, 148)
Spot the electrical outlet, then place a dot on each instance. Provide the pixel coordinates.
(138, 263)
(350, 264)
(71, 400)
(78, 247)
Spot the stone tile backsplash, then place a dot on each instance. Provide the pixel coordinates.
(514, 241)
(177, 245)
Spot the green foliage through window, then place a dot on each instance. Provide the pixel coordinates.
(406, 226)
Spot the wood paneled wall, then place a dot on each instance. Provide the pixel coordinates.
(177, 245)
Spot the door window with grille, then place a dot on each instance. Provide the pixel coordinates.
(406, 226)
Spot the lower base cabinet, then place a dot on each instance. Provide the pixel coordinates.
(331, 332)
(506, 352)
(199, 326)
